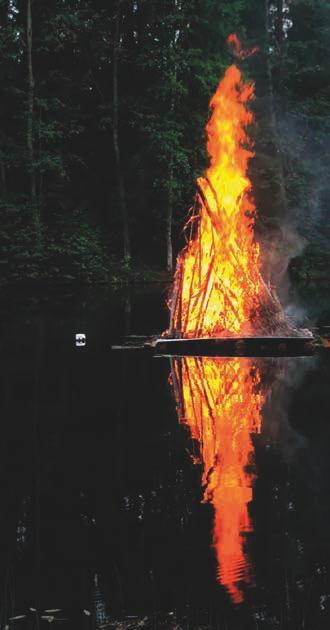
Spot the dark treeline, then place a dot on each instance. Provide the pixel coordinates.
(102, 113)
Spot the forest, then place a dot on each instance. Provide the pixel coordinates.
(103, 109)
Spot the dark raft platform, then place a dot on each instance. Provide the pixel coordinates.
(238, 346)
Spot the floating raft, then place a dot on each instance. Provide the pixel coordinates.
(238, 346)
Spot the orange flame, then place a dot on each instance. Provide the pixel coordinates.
(241, 53)
(221, 401)
(218, 279)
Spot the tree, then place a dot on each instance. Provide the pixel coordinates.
(115, 127)
(30, 121)
(103, 113)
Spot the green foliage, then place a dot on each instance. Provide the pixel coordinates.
(312, 268)
(171, 56)
(71, 250)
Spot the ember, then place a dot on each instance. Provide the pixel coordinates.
(221, 401)
(218, 288)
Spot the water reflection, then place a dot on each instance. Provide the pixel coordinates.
(221, 401)
(119, 496)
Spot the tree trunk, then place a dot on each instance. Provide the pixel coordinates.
(273, 122)
(115, 125)
(169, 217)
(278, 263)
(4, 19)
(30, 113)
(40, 173)
(279, 30)
(170, 200)
(3, 179)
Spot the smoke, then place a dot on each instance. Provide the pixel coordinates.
(278, 246)
(306, 167)
(303, 226)
(289, 374)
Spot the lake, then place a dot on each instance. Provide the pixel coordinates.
(184, 493)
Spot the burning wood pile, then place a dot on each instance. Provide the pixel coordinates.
(218, 288)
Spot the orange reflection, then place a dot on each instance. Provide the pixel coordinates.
(221, 401)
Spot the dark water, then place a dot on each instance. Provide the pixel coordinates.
(211, 510)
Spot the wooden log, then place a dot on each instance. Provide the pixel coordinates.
(214, 220)
(175, 296)
(202, 309)
(187, 305)
(238, 346)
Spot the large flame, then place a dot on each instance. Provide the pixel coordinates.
(221, 401)
(218, 278)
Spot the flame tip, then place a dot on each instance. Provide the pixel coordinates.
(237, 50)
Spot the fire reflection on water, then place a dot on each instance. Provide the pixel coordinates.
(221, 402)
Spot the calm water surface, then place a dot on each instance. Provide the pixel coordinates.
(135, 486)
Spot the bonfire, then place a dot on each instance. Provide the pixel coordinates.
(218, 288)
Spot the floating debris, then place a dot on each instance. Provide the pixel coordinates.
(52, 610)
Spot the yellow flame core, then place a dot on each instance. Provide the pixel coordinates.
(219, 270)
(221, 401)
